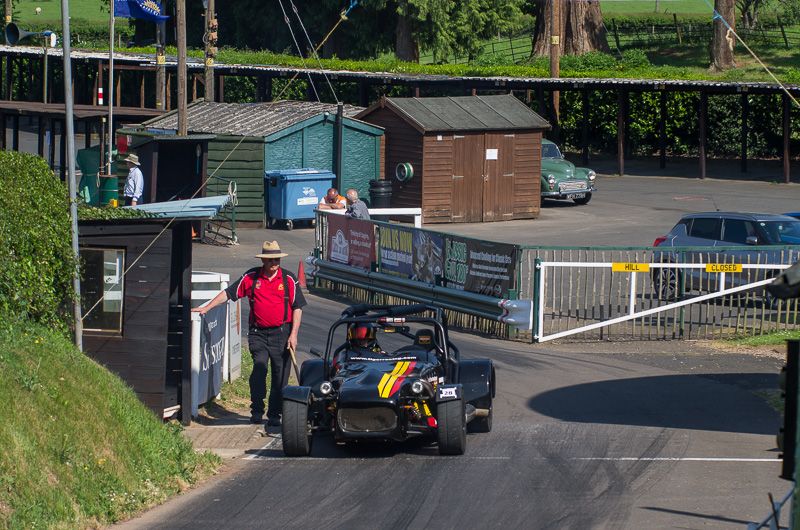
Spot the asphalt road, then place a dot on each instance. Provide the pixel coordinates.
(585, 435)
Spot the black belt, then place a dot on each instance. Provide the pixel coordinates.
(267, 329)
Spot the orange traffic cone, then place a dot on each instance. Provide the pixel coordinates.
(301, 275)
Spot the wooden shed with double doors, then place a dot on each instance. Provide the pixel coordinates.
(462, 159)
(136, 299)
(251, 138)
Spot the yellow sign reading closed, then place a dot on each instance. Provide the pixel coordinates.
(630, 267)
(723, 267)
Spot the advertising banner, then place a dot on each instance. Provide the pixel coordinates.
(212, 353)
(396, 250)
(351, 241)
(479, 266)
(428, 262)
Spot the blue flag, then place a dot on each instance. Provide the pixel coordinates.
(144, 9)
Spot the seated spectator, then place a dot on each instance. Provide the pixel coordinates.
(333, 201)
(356, 208)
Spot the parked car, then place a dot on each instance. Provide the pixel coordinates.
(722, 229)
(561, 179)
(796, 215)
(413, 385)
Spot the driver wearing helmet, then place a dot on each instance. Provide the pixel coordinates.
(361, 340)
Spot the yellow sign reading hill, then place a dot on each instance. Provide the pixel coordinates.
(630, 267)
(723, 267)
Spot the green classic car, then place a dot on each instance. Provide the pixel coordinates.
(561, 179)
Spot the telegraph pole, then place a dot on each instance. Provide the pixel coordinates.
(211, 48)
(73, 203)
(181, 15)
(161, 62)
(6, 59)
(555, 53)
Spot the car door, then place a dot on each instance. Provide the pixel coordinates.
(701, 232)
(735, 232)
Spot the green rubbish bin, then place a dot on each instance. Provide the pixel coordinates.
(109, 189)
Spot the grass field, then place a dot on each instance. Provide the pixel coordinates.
(25, 11)
(632, 7)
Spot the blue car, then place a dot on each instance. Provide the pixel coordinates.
(722, 229)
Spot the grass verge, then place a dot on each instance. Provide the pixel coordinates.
(768, 339)
(79, 449)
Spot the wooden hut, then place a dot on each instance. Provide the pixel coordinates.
(136, 299)
(471, 158)
(252, 138)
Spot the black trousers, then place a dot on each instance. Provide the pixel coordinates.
(269, 345)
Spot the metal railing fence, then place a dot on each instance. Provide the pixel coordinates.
(576, 296)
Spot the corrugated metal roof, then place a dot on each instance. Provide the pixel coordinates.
(247, 119)
(202, 208)
(466, 113)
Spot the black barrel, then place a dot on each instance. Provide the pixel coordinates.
(380, 193)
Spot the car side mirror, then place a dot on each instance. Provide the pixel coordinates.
(751, 240)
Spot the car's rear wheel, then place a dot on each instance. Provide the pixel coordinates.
(296, 431)
(585, 200)
(452, 427)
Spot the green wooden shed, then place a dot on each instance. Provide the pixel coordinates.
(251, 138)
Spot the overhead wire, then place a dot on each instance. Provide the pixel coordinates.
(299, 50)
(204, 183)
(316, 55)
(732, 31)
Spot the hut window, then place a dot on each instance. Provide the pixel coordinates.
(102, 289)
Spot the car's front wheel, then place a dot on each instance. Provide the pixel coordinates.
(666, 283)
(452, 427)
(296, 431)
(587, 197)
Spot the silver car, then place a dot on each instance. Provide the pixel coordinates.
(727, 230)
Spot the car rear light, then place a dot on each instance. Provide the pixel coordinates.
(659, 240)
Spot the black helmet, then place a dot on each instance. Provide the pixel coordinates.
(361, 334)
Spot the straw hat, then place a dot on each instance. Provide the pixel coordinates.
(271, 249)
(133, 159)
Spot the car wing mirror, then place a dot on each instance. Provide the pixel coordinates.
(751, 240)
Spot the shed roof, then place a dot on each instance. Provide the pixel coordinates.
(247, 119)
(201, 208)
(463, 113)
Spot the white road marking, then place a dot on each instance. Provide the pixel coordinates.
(671, 459)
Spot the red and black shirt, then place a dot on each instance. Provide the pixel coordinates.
(269, 306)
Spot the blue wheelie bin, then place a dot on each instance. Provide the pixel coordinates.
(293, 194)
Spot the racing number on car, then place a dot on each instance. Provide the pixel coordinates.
(390, 383)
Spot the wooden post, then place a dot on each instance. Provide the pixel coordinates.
(745, 129)
(181, 16)
(585, 124)
(786, 135)
(616, 32)
(622, 99)
(783, 31)
(15, 133)
(677, 28)
(703, 117)
(161, 74)
(662, 129)
(555, 55)
(211, 49)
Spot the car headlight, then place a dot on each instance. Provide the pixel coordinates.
(551, 179)
(325, 388)
(416, 387)
(591, 174)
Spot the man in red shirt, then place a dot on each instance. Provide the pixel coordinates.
(276, 303)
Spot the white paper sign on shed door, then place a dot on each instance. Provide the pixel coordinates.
(491, 154)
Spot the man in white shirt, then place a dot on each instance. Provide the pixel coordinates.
(134, 186)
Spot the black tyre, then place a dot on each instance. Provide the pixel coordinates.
(585, 200)
(666, 283)
(452, 427)
(295, 429)
(289, 224)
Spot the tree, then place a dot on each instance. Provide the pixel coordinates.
(723, 39)
(581, 28)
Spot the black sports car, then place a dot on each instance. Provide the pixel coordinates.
(359, 391)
